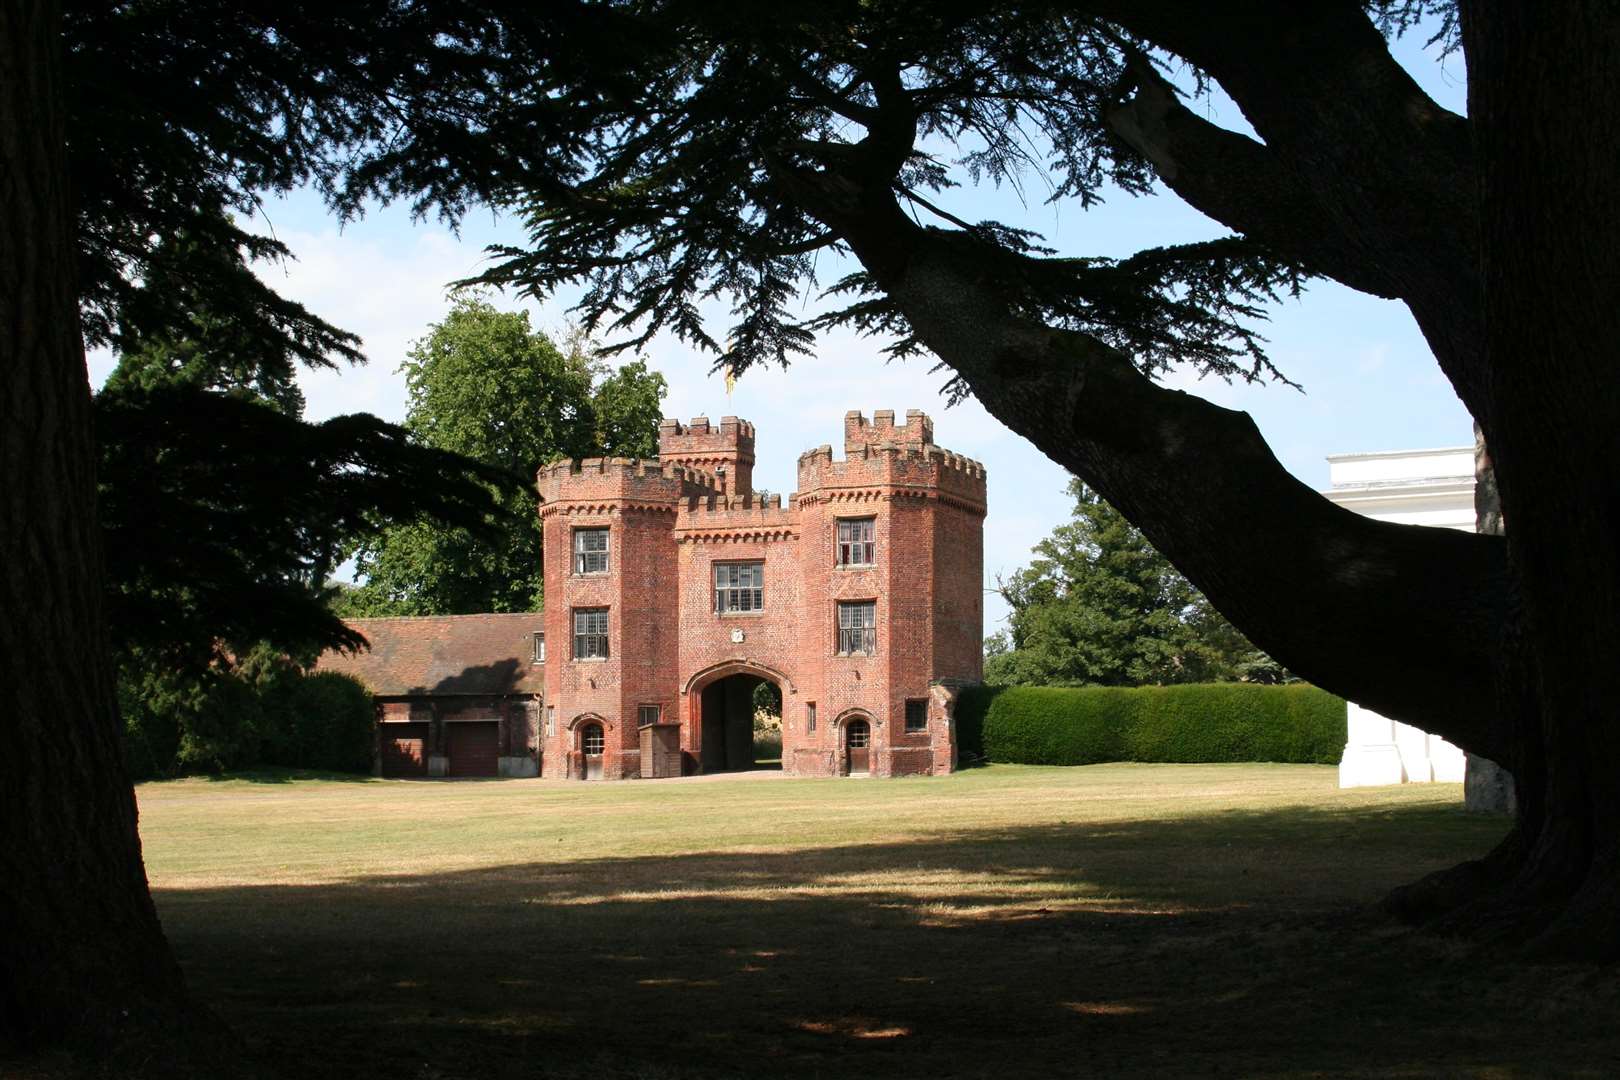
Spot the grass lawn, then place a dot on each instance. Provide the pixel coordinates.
(1115, 920)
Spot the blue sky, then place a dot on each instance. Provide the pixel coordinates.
(1370, 382)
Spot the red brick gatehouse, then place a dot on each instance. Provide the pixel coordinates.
(673, 588)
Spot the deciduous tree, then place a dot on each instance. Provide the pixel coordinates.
(485, 385)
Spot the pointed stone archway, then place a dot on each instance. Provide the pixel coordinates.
(720, 713)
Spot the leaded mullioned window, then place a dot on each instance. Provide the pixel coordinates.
(739, 587)
(857, 541)
(590, 551)
(590, 633)
(857, 626)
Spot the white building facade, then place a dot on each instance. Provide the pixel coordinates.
(1411, 487)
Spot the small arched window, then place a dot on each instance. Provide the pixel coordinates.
(858, 734)
(592, 740)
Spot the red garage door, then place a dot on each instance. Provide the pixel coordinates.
(473, 747)
(404, 749)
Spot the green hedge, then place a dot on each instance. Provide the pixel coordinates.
(323, 721)
(223, 723)
(1034, 725)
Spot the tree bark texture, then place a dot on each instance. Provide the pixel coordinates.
(1543, 85)
(83, 961)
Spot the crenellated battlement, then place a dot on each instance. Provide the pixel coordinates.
(918, 429)
(754, 516)
(672, 588)
(751, 501)
(639, 479)
(726, 450)
(916, 466)
(730, 429)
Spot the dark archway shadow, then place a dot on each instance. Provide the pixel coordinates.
(1241, 945)
(726, 714)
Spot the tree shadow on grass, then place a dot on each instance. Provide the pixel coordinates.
(1234, 944)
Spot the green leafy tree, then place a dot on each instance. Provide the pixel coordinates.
(1100, 605)
(484, 384)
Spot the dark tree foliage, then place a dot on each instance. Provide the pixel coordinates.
(223, 517)
(183, 115)
(212, 337)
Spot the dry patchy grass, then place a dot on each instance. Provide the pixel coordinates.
(1113, 920)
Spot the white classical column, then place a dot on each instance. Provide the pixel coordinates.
(1434, 488)
(1371, 756)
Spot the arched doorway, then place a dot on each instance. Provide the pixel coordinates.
(858, 745)
(592, 742)
(727, 711)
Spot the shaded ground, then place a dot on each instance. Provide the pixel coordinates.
(1108, 921)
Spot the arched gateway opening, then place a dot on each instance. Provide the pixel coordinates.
(726, 724)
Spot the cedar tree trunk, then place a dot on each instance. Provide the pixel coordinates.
(83, 961)
(1544, 82)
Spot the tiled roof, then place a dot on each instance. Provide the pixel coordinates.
(445, 654)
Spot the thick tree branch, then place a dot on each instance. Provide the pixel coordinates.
(1199, 161)
(1345, 601)
(1361, 175)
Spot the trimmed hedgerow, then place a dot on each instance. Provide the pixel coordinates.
(1207, 722)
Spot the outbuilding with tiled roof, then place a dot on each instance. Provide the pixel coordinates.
(457, 695)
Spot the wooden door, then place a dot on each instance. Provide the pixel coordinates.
(474, 747)
(858, 738)
(404, 749)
